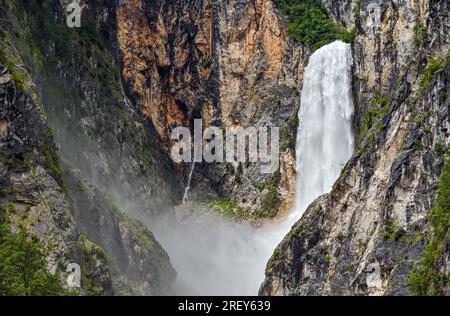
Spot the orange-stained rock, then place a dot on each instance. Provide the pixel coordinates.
(228, 62)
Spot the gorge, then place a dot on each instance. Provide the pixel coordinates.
(359, 90)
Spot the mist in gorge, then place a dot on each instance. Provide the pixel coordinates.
(319, 132)
(219, 257)
(213, 255)
(216, 256)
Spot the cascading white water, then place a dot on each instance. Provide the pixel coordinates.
(324, 137)
(223, 258)
(188, 184)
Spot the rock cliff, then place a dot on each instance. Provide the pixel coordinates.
(230, 64)
(115, 89)
(32, 194)
(49, 200)
(367, 235)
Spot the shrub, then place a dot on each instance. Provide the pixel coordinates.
(419, 33)
(375, 114)
(357, 9)
(309, 23)
(23, 268)
(228, 208)
(270, 203)
(434, 66)
(392, 231)
(425, 278)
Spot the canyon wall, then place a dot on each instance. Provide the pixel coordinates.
(229, 63)
(45, 81)
(365, 237)
(114, 90)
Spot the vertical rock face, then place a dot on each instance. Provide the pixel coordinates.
(73, 220)
(341, 11)
(61, 209)
(259, 74)
(138, 264)
(365, 236)
(166, 50)
(99, 129)
(31, 194)
(140, 68)
(229, 63)
(252, 41)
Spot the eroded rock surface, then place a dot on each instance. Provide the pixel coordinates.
(374, 220)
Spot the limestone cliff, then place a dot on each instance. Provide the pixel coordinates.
(114, 90)
(32, 194)
(138, 264)
(229, 63)
(70, 218)
(376, 219)
(97, 126)
(57, 206)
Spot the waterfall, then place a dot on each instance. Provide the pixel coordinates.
(226, 258)
(324, 137)
(188, 184)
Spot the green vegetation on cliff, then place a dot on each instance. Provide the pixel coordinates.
(17, 74)
(357, 9)
(52, 44)
(270, 202)
(23, 268)
(426, 279)
(434, 66)
(309, 23)
(52, 156)
(228, 208)
(22, 80)
(288, 137)
(375, 114)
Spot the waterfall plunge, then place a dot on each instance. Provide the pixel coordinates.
(324, 137)
(224, 258)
